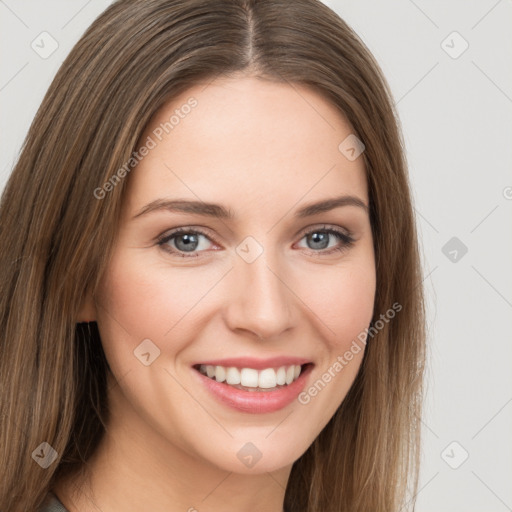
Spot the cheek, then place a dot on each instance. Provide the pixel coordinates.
(145, 298)
(134, 305)
(342, 297)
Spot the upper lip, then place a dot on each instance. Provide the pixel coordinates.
(257, 364)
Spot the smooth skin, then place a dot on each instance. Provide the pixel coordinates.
(263, 150)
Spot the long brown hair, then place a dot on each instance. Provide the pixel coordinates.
(57, 237)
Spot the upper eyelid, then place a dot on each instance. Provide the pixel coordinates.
(205, 231)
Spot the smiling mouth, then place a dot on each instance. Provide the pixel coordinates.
(251, 379)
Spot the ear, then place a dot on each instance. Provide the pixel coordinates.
(87, 311)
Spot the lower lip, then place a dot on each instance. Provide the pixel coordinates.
(256, 402)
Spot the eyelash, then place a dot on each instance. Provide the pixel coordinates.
(347, 240)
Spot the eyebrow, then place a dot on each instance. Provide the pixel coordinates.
(220, 212)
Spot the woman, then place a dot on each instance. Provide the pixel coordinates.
(211, 288)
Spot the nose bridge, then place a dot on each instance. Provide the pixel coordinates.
(261, 301)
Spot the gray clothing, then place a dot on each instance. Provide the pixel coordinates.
(52, 504)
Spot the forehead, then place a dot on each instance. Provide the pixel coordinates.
(246, 142)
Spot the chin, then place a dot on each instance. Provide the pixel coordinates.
(256, 454)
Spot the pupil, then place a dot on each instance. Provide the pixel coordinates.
(320, 238)
(188, 240)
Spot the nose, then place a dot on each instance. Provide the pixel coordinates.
(261, 300)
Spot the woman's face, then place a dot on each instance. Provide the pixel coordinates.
(253, 286)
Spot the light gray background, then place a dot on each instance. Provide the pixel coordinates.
(456, 117)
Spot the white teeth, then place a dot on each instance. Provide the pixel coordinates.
(250, 378)
(267, 378)
(220, 373)
(290, 372)
(232, 375)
